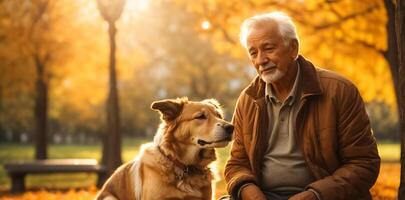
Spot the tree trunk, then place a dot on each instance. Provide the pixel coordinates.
(3, 132)
(112, 138)
(391, 54)
(41, 111)
(400, 35)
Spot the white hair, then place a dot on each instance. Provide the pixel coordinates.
(285, 26)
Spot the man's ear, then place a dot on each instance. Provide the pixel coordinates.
(295, 46)
(170, 109)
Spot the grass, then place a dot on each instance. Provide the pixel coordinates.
(8, 152)
(389, 151)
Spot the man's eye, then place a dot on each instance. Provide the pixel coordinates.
(201, 117)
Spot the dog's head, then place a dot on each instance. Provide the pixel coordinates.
(195, 123)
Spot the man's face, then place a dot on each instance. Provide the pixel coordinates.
(269, 53)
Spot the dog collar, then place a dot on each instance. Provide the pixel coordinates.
(182, 169)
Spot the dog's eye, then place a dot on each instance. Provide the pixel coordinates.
(201, 116)
(219, 115)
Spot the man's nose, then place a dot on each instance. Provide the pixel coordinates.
(262, 58)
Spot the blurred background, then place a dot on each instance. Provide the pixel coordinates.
(55, 59)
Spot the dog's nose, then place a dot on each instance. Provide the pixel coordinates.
(229, 128)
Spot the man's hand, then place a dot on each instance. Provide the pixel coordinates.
(252, 192)
(305, 195)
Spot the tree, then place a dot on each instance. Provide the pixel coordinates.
(111, 11)
(400, 33)
(34, 39)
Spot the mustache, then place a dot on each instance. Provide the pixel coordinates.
(266, 66)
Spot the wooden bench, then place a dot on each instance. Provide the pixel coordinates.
(19, 169)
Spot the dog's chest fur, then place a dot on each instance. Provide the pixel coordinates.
(191, 184)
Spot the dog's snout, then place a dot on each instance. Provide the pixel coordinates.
(228, 128)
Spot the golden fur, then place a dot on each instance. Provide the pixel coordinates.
(175, 165)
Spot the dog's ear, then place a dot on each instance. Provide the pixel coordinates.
(170, 109)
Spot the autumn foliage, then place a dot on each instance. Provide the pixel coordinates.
(167, 49)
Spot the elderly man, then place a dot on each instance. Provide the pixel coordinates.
(301, 132)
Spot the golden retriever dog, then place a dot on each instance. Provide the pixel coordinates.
(175, 165)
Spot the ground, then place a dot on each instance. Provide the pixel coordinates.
(81, 185)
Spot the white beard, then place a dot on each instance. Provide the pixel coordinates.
(272, 77)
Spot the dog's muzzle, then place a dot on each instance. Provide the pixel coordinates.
(229, 131)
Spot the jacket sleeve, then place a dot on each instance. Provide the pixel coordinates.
(238, 170)
(358, 154)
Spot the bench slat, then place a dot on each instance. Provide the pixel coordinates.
(53, 166)
(17, 170)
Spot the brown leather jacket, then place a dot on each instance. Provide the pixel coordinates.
(333, 131)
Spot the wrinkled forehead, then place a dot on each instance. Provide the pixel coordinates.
(263, 31)
(192, 108)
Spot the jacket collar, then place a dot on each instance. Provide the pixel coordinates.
(309, 82)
